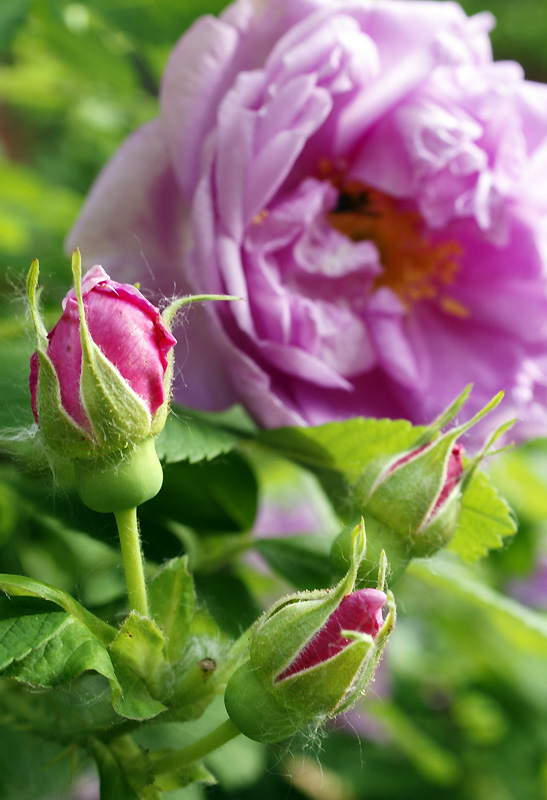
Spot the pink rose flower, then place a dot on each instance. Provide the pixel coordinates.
(371, 184)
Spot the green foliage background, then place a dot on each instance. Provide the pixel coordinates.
(464, 715)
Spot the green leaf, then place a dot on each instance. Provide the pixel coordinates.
(172, 603)
(25, 624)
(520, 626)
(21, 586)
(304, 560)
(193, 436)
(345, 447)
(48, 647)
(63, 657)
(485, 520)
(45, 647)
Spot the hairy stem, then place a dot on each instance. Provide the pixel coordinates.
(178, 759)
(130, 543)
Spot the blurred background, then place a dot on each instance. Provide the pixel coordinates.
(459, 711)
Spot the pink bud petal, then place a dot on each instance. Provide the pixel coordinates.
(360, 611)
(454, 470)
(33, 382)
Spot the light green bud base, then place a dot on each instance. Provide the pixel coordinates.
(120, 482)
(256, 712)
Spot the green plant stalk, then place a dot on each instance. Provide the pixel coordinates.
(128, 529)
(175, 760)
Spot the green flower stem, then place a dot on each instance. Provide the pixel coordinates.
(130, 542)
(178, 759)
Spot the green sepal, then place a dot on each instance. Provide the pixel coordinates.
(172, 602)
(114, 783)
(37, 322)
(326, 684)
(62, 434)
(285, 629)
(168, 315)
(439, 531)
(405, 497)
(58, 429)
(179, 779)
(137, 654)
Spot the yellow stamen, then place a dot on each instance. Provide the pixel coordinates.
(453, 306)
(415, 268)
(260, 217)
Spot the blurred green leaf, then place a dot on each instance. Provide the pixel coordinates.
(31, 767)
(521, 627)
(216, 495)
(520, 475)
(228, 600)
(12, 14)
(156, 22)
(303, 560)
(435, 762)
(114, 783)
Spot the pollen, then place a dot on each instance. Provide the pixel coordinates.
(415, 267)
(260, 217)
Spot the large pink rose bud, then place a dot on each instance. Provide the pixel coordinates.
(311, 655)
(100, 384)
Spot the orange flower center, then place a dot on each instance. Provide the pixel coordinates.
(415, 268)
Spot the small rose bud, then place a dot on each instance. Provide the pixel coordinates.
(311, 656)
(411, 501)
(100, 384)
(412, 492)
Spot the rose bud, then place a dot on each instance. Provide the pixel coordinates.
(411, 501)
(311, 656)
(100, 384)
